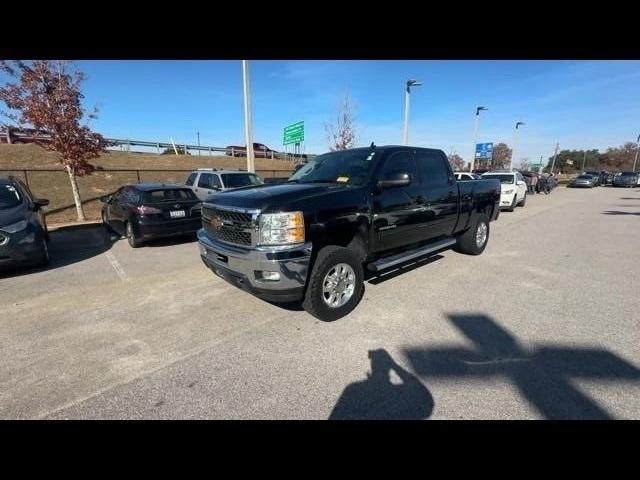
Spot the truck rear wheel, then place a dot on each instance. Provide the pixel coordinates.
(335, 285)
(474, 240)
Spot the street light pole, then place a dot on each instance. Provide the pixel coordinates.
(555, 155)
(515, 146)
(410, 83)
(198, 143)
(635, 160)
(475, 137)
(584, 159)
(248, 130)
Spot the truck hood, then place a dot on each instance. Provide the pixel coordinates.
(273, 197)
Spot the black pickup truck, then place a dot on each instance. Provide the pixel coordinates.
(312, 237)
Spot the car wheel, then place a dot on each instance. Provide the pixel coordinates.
(44, 255)
(513, 204)
(335, 285)
(133, 240)
(474, 240)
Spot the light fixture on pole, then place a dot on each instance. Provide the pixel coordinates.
(410, 83)
(248, 132)
(475, 136)
(635, 160)
(515, 146)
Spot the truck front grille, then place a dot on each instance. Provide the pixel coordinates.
(229, 226)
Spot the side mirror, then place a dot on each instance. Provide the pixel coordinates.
(105, 199)
(395, 179)
(38, 203)
(520, 182)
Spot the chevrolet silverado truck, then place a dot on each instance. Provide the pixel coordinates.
(311, 239)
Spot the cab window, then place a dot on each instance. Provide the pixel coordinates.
(191, 179)
(400, 162)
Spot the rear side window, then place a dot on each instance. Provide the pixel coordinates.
(191, 179)
(209, 180)
(9, 196)
(433, 170)
(399, 162)
(168, 195)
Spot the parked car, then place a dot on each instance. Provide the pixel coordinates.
(207, 181)
(260, 150)
(146, 211)
(463, 176)
(626, 179)
(23, 229)
(513, 189)
(311, 238)
(597, 177)
(583, 181)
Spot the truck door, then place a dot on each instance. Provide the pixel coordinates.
(396, 210)
(438, 194)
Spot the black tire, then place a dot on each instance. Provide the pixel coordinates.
(106, 225)
(467, 244)
(44, 258)
(132, 238)
(314, 301)
(524, 201)
(513, 204)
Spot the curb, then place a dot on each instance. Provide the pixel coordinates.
(88, 223)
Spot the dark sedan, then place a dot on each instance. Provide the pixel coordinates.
(583, 181)
(625, 179)
(23, 231)
(151, 210)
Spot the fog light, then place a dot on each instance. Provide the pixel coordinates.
(271, 276)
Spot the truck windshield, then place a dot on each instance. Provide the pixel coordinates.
(347, 167)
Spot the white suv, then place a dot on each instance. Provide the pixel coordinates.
(514, 189)
(207, 181)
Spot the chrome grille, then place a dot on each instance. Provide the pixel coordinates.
(234, 226)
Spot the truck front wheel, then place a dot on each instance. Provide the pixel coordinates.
(335, 285)
(474, 240)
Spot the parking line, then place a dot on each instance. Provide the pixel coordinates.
(117, 267)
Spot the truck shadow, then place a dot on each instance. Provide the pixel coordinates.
(383, 397)
(618, 212)
(543, 375)
(69, 245)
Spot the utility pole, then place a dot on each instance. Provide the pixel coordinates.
(405, 135)
(584, 159)
(635, 160)
(198, 143)
(475, 137)
(555, 155)
(248, 131)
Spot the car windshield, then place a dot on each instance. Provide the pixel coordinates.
(168, 195)
(9, 196)
(235, 180)
(502, 178)
(347, 167)
(585, 177)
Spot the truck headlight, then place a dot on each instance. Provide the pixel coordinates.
(507, 192)
(15, 227)
(281, 228)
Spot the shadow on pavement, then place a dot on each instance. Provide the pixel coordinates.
(171, 241)
(68, 245)
(618, 212)
(542, 375)
(383, 396)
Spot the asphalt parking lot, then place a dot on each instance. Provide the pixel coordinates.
(544, 324)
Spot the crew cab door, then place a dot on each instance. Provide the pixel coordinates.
(438, 194)
(396, 210)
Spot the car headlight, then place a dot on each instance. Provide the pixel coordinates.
(507, 192)
(281, 228)
(15, 227)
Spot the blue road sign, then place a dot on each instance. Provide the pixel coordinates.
(484, 151)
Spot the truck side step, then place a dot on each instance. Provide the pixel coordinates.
(402, 257)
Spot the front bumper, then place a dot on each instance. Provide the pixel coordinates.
(16, 249)
(243, 267)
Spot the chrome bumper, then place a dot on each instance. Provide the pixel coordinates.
(243, 266)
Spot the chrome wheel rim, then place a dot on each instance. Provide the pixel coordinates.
(338, 285)
(481, 234)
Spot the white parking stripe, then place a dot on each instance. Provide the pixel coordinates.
(117, 267)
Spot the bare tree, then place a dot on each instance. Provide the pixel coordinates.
(457, 162)
(46, 96)
(342, 134)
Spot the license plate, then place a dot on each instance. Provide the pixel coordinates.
(177, 214)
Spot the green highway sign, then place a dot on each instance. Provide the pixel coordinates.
(293, 133)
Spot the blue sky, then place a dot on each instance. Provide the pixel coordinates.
(580, 104)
